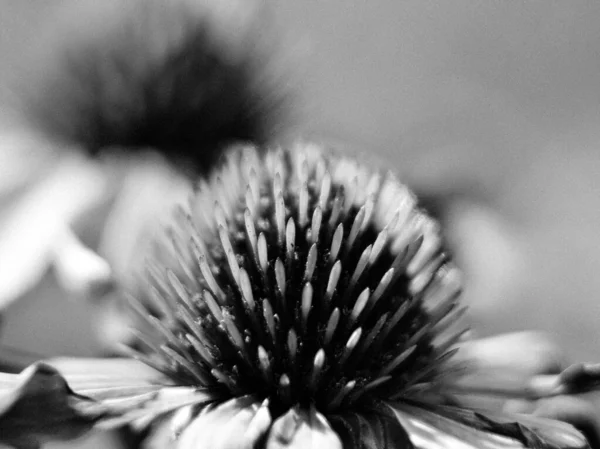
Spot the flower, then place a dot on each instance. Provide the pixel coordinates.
(303, 300)
(181, 77)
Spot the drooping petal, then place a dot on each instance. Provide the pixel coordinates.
(127, 391)
(38, 405)
(302, 429)
(371, 430)
(576, 410)
(64, 398)
(236, 424)
(466, 429)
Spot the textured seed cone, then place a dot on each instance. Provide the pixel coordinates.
(305, 279)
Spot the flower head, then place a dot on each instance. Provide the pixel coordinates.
(303, 300)
(181, 77)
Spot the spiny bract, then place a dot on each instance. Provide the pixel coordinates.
(304, 278)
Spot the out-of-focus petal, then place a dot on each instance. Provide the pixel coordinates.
(148, 193)
(24, 158)
(466, 429)
(515, 365)
(37, 405)
(428, 430)
(302, 429)
(575, 410)
(79, 270)
(371, 430)
(236, 424)
(530, 352)
(31, 230)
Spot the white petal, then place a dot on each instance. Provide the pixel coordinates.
(29, 234)
(236, 424)
(302, 429)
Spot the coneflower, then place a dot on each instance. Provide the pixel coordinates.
(180, 77)
(304, 300)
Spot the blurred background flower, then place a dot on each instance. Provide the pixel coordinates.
(152, 90)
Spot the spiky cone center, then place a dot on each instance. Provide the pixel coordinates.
(305, 278)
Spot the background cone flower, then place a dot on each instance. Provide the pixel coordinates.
(303, 300)
(182, 78)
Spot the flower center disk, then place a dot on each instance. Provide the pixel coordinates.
(302, 277)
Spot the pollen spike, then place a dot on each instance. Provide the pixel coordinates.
(336, 243)
(223, 378)
(186, 364)
(383, 285)
(136, 306)
(214, 308)
(290, 240)
(377, 247)
(354, 231)
(350, 346)
(426, 251)
(201, 350)
(397, 361)
(317, 369)
(337, 400)
(250, 202)
(325, 189)
(262, 253)
(280, 280)
(336, 210)
(370, 386)
(311, 263)
(220, 215)
(265, 364)
(178, 288)
(159, 300)
(360, 266)
(231, 260)
(452, 318)
(369, 206)
(269, 319)
(307, 295)
(254, 186)
(367, 342)
(280, 219)
(359, 306)
(209, 278)
(332, 324)
(251, 233)
(395, 319)
(246, 290)
(285, 389)
(316, 224)
(292, 344)
(303, 206)
(334, 277)
(234, 333)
